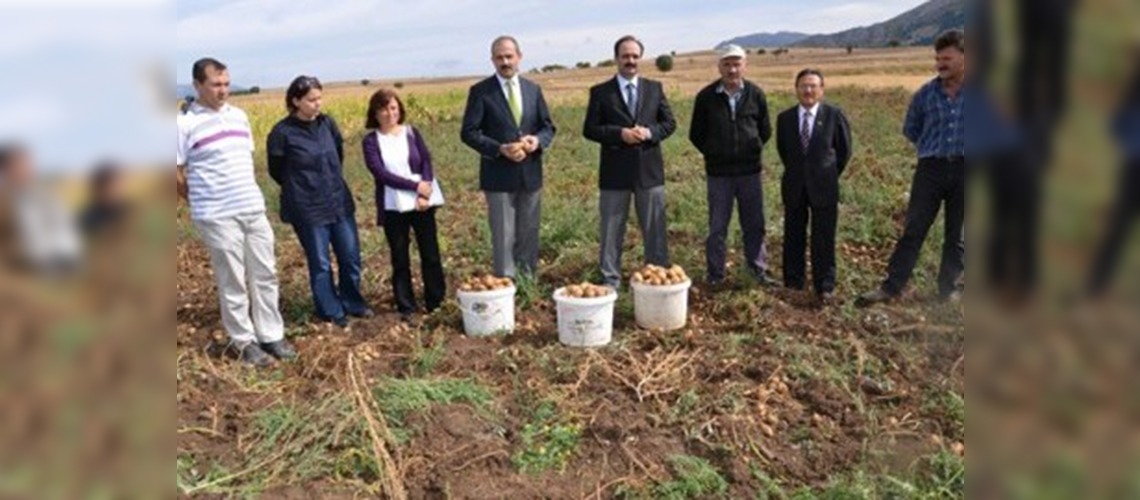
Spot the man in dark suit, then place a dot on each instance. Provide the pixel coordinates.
(814, 141)
(508, 123)
(629, 116)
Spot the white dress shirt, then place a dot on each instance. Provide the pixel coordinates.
(814, 113)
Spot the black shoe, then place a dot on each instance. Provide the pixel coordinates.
(408, 317)
(366, 314)
(252, 354)
(281, 350)
(871, 298)
(826, 298)
(341, 322)
(768, 281)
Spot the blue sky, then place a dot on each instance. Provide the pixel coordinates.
(268, 42)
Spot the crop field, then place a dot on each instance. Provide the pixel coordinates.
(762, 395)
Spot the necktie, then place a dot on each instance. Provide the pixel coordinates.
(631, 99)
(805, 132)
(513, 102)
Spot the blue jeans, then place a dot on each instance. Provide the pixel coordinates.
(342, 236)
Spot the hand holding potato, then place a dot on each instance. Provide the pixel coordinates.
(514, 151)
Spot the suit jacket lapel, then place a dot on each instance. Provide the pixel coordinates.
(501, 99)
(529, 100)
(640, 99)
(619, 93)
(816, 128)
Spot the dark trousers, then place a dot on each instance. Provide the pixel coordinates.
(1120, 223)
(937, 182)
(823, 221)
(1015, 190)
(333, 301)
(747, 193)
(396, 228)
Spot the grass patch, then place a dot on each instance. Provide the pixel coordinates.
(935, 477)
(693, 477)
(546, 442)
(398, 398)
(289, 444)
(951, 406)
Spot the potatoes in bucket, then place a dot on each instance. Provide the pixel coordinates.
(586, 290)
(484, 283)
(659, 276)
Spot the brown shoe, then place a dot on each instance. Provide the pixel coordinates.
(877, 296)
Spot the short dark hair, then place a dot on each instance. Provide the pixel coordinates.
(628, 38)
(505, 38)
(809, 72)
(200, 66)
(299, 88)
(951, 39)
(380, 99)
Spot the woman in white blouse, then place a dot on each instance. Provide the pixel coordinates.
(407, 196)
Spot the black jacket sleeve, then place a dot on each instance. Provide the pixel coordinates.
(842, 141)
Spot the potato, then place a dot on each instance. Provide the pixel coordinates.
(638, 278)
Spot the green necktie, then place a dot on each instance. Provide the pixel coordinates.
(513, 102)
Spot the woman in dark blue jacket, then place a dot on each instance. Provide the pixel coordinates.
(306, 152)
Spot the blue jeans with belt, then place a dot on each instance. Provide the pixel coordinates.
(333, 301)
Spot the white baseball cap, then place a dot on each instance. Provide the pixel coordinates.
(732, 50)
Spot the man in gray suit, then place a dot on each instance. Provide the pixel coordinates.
(508, 123)
(629, 116)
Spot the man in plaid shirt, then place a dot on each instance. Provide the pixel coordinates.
(934, 124)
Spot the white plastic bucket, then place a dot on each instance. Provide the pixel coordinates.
(665, 307)
(585, 322)
(489, 312)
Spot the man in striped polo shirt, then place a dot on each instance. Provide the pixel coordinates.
(216, 175)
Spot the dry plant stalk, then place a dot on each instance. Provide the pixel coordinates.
(391, 480)
(660, 373)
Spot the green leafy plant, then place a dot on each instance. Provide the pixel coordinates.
(546, 443)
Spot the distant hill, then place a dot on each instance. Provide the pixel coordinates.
(780, 39)
(918, 26)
